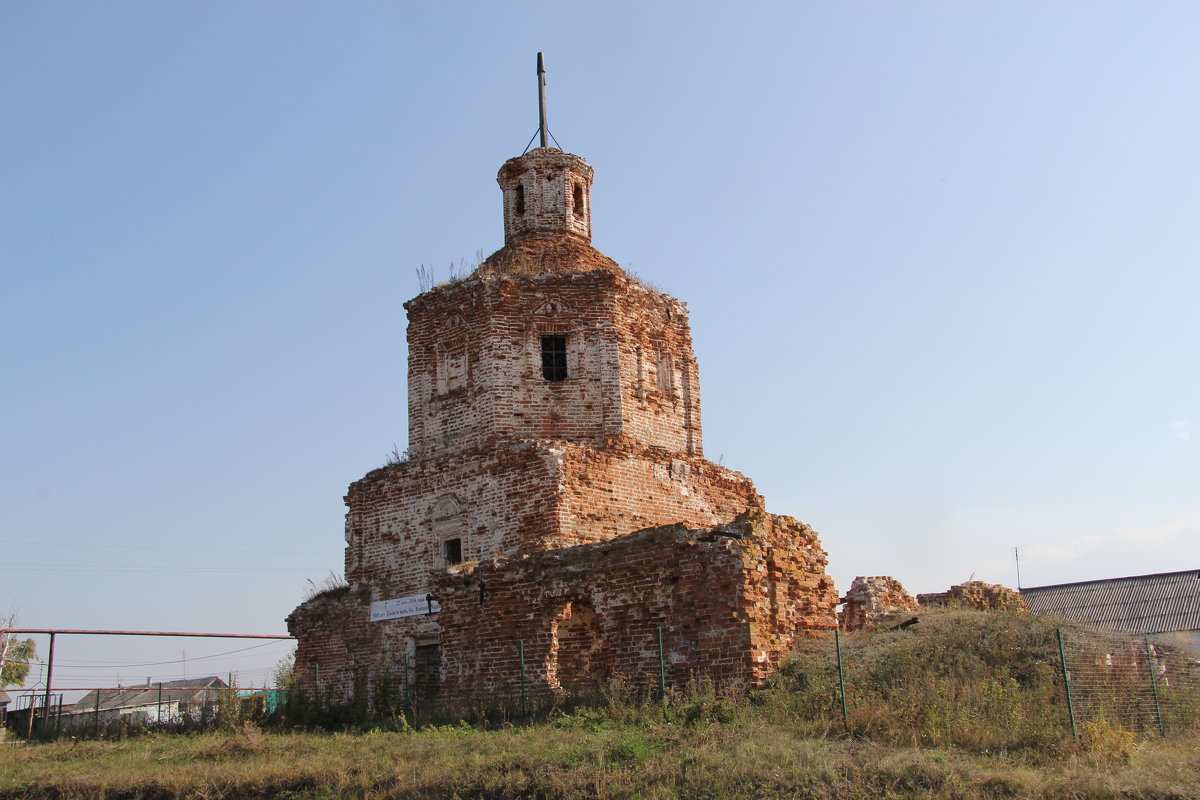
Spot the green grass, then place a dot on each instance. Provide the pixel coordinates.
(749, 757)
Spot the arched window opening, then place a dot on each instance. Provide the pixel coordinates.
(520, 200)
(447, 522)
(577, 200)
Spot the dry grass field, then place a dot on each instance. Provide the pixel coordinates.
(965, 705)
(583, 757)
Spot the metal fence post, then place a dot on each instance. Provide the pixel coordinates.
(1154, 688)
(521, 655)
(1062, 654)
(837, 641)
(662, 669)
(407, 683)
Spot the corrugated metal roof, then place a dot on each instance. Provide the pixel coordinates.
(1162, 603)
(188, 689)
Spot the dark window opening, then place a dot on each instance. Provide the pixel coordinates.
(577, 204)
(521, 200)
(452, 551)
(554, 358)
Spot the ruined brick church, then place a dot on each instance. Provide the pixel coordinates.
(555, 517)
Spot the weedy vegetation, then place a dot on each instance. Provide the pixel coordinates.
(964, 705)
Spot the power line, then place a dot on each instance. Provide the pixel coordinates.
(43, 567)
(171, 549)
(156, 663)
(100, 664)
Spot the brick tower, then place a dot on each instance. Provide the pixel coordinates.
(553, 410)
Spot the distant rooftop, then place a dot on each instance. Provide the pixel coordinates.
(1160, 603)
(194, 690)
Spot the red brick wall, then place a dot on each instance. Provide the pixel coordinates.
(730, 602)
(872, 599)
(392, 537)
(548, 179)
(519, 467)
(626, 486)
(475, 370)
(524, 498)
(342, 658)
(785, 593)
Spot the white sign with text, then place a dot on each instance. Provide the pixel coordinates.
(403, 607)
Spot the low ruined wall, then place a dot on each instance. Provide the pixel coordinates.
(978, 595)
(330, 628)
(344, 659)
(730, 602)
(872, 599)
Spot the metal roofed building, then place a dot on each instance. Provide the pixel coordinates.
(156, 702)
(1165, 607)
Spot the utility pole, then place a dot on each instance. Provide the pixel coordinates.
(49, 680)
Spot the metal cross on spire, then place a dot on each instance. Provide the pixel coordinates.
(543, 129)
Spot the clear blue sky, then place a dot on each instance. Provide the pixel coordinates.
(941, 261)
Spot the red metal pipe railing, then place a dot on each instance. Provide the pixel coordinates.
(55, 631)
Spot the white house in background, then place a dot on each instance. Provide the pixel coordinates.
(168, 701)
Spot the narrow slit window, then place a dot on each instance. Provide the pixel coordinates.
(521, 200)
(554, 358)
(452, 551)
(577, 201)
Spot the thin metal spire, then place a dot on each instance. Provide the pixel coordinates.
(543, 128)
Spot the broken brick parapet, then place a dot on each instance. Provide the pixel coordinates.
(978, 595)
(873, 599)
(786, 592)
(539, 255)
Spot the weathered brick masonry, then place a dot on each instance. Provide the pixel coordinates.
(729, 600)
(555, 492)
(873, 599)
(475, 371)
